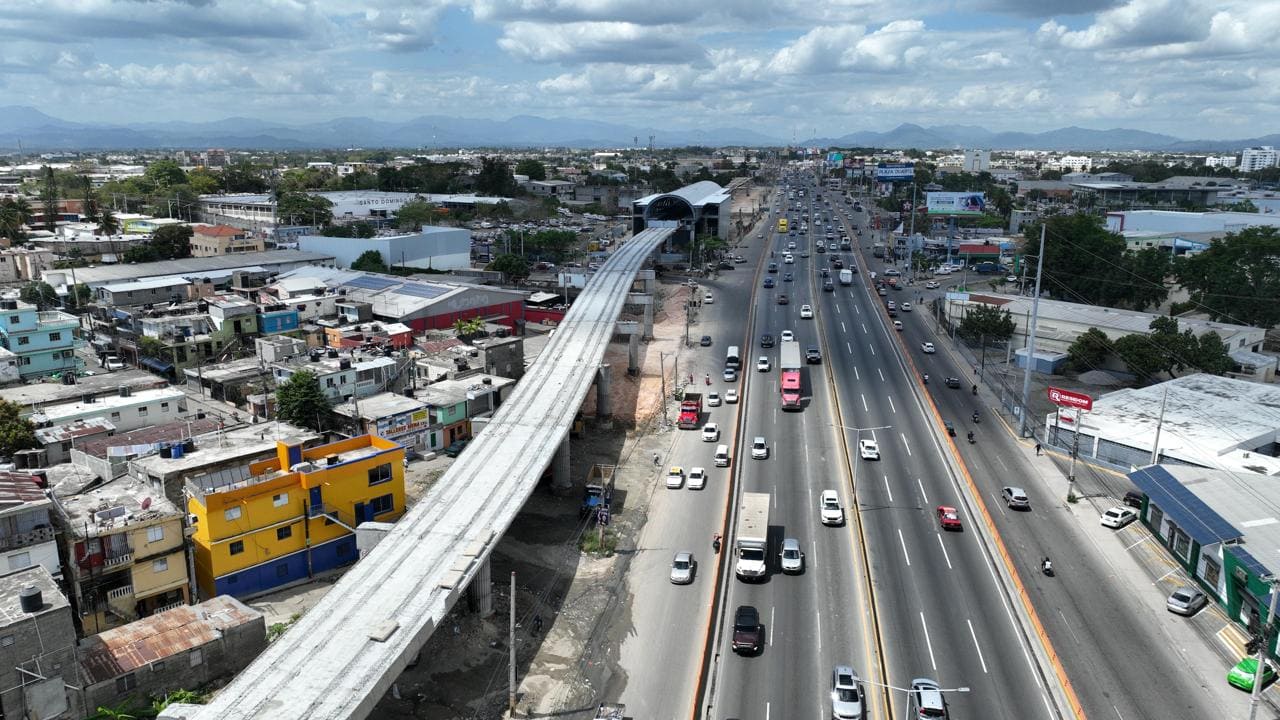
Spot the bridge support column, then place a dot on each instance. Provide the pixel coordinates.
(560, 469)
(480, 591)
(649, 282)
(633, 354)
(648, 321)
(604, 404)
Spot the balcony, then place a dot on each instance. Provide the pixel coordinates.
(123, 591)
(118, 561)
(56, 320)
(24, 539)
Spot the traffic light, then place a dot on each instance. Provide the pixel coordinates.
(1254, 645)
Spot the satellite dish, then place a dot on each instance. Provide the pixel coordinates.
(146, 503)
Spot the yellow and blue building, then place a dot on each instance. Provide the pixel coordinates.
(291, 517)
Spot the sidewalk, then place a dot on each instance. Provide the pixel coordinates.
(1207, 643)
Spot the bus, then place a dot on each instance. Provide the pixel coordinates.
(782, 225)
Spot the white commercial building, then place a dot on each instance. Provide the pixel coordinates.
(1167, 221)
(1257, 158)
(1227, 161)
(438, 248)
(258, 211)
(1075, 163)
(1203, 420)
(128, 410)
(976, 161)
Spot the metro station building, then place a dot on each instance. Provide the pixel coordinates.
(699, 209)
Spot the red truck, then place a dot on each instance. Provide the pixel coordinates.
(690, 411)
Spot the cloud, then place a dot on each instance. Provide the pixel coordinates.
(89, 20)
(594, 42)
(1045, 8)
(1140, 23)
(850, 47)
(402, 30)
(653, 12)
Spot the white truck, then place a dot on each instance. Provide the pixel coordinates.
(752, 539)
(846, 277)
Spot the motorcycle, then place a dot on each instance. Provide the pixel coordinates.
(1046, 567)
(926, 378)
(971, 440)
(975, 389)
(975, 417)
(715, 543)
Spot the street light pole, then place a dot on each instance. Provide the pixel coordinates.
(1262, 648)
(1031, 338)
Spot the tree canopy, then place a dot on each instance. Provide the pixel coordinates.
(39, 293)
(301, 402)
(16, 433)
(170, 242)
(1086, 263)
(369, 261)
(495, 178)
(1090, 350)
(300, 208)
(1168, 351)
(416, 213)
(512, 266)
(534, 169)
(1237, 279)
(986, 323)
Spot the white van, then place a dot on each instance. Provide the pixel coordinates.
(722, 456)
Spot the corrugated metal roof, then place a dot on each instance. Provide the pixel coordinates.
(122, 650)
(18, 487)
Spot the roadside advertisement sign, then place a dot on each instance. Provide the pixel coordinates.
(1067, 398)
(895, 172)
(956, 203)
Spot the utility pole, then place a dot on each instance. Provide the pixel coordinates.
(1075, 450)
(662, 373)
(1262, 648)
(511, 645)
(1031, 337)
(1155, 446)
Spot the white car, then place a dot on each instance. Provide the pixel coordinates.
(931, 285)
(675, 477)
(869, 450)
(682, 568)
(113, 363)
(791, 557)
(759, 449)
(762, 364)
(731, 395)
(806, 312)
(787, 336)
(791, 246)
(906, 307)
(829, 506)
(713, 399)
(697, 478)
(708, 299)
(730, 375)
(897, 325)
(788, 259)
(710, 432)
(1118, 517)
(927, 348)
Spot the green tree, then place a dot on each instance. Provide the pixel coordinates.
(1210, 354)
(1237, 279)
(369, 261)
(79, 296)
(153, 348)
(39, 293)
(108, 225)
(1148, 268)
(16, 432)
(1089, 350)
(243, 177)
(986, 323)
(165, 173)
(300, 208)
(534, 169)
(468, 327)
(301, 402)
(1086, 263)
(15, 213)
(90, 212)
(172, 242)
(118, 712)
(416, 213)
(49, 199)
(495, 178)
(513, 267)
(202, 181)
(553, 245)
(1140, 356)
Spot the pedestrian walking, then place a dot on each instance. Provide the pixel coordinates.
(657, 459)
(1039, 450)
(537, 624)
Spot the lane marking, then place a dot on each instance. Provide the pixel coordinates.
(1069, 628)
(864, 404)
(773, 627)
(850, 349)
(923, 494)
(904, 442)
(856, 375)
(928, 641)
(902, 541)
(873, 350)
(881, 374)
(892, 407)
(945, 554)
(837, 308)
(842, 328)
(977, 647)
(888, 489)
(864, 329)
(855, 307)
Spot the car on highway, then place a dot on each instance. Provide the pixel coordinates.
(891, 305)
(766, 340)
(1118, 516)
(926, 700)
(837, 263)
(762, 365)
(739, 259)
(952, 382)
(790, 557)
(708, 299)
(829, 508)
(759, 448)
(773, 267)
(927, 348)
(869, 449)
(1241, 676)
(748, 636)
(782, 299)
(730, 375)
(705, 341)
(813, 355)
(710, 432)
(806, 312)
(897, 325)
(1186, 600)
(948, 518)
(906, 307)
(1015, 497)
(881, 292)
(788, 336)
(788, 277)
(713, 399)
(768, 282)
(731, 395)
(846, 695)
(931, 285)
(951, 429)
(804, 253)
(791, 245)
(788, 259)
(682, 568)
(697, 478)
(828, 286)
(675, 477)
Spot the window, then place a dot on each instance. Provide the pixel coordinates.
(380, 505)
(280, 500)
(231, 513)
(24, 340)
(6, 641)
(142, 411)
(55, 336)
(66, 447)
(157, 666)
(380, 474)
(1212, 571)
(284, 533)
(24, 360)
(14, 319)
(328, 382)
(125, 683)
(115, 416)
(237, 547)
(164, 406)
(160, 566)
(19, 560)
(155, 533)
(197, 657)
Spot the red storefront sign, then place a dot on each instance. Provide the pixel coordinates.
(1067, 398)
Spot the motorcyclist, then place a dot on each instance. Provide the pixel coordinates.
(1046, 565)
(926, 378)
(708, 378)
(975, 416)
(970, 436)
(975, 389)
(715, 542)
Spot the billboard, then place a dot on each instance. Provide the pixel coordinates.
(1067, 398)
(835, 159)
(895, 172)
(956, 203)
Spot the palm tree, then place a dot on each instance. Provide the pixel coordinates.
(107, 223)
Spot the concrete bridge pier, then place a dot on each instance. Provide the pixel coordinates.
(648, 321)
(480, 591)
(604, 404)
(561, 482)
(633, 354)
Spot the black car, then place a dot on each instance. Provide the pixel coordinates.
(951, 429)
(952, 382)
(828, 286)
(773, 267)
(766, 341)
(748, 636)
(787, 278)
(1134, 498)
(782, 299)
(705, 341)
(813, 355)
(455, 448)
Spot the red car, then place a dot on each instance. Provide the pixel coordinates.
(948, 518)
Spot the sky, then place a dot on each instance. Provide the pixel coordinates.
(792, 69)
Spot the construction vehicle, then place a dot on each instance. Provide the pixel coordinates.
(597, 494)
(752, 539)
(690, 411)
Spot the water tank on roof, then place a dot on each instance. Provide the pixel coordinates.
(344, 364)
(188, 445)
(333, 352)
(30, 599)
(124, 390)
(166, 452)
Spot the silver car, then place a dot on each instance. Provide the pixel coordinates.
(846, 695)
(1186, 601)
(1015, 497)
(682, 568)
(792, 557)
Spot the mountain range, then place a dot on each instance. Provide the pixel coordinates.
(30, 129)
